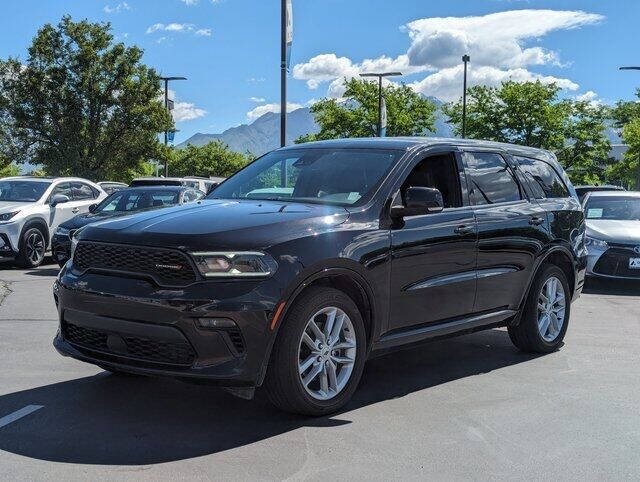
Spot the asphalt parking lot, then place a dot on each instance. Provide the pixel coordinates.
(466, 408)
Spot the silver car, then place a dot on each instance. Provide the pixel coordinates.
(613, 234)
(31, 208)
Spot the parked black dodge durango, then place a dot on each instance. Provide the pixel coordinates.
(296, 269)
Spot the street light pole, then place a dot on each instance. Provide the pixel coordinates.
(283, 73)
(166, 106)
(380, 76)
(465, 59)
(638, 173)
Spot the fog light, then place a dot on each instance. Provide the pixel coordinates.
(216, 323)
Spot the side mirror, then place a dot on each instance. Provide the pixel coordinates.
(92, 208)
(418, 201)
(58, 199)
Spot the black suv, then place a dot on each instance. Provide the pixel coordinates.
(299, 267)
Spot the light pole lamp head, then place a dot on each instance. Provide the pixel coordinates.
(466, 58)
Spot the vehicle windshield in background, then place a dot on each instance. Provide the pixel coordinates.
(615, 208)
(326, 176)
(125, 201)
(22, 191)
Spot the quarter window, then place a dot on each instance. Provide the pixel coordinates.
(543, 179)
(491, 179)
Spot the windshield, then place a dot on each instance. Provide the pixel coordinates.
(341, 177)
(128, 201)
(623, 208)
(22, 191)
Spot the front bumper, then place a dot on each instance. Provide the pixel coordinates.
(613, 262)
(9, 239)
(134, 326)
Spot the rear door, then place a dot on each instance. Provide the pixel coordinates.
(511, 229)
(83, 196)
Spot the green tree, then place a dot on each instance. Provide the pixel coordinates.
(81, 104)
(212, 159)
(9, 170)
(527, 113)
(626, 118)
(408, 113)
(585, 152)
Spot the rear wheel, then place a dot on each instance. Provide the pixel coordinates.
(32, 248)
(545, 318)
(318, 357)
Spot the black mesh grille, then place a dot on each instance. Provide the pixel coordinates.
(174, 353)
(615, 262)
(167, 267)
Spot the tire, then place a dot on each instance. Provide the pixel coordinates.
(526, 335)
(283, 382)
(33, 246)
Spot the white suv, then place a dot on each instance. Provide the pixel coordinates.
(31, 208)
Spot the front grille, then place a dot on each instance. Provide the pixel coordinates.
(174, 353)
(615, 262)
(166, 266)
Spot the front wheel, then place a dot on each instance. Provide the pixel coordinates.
(32, 248)
(545, 317)
(319, 355)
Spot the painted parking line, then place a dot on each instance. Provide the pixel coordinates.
(18, 414)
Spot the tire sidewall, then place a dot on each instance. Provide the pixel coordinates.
(294, 326)
(532, 308)
(23, 259)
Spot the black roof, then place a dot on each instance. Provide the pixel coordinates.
(155, 187)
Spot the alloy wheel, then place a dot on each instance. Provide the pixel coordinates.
(551, 309)
(34, 247)
(327, 353)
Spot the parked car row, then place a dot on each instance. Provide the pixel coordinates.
(35, 212)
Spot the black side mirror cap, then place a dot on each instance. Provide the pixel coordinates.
(92, 208)
(419, 201)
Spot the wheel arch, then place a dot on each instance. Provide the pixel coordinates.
(35, 223)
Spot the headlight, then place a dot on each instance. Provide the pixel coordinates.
(62, 231)
(7, 216)
(596, 243)
(235, 264)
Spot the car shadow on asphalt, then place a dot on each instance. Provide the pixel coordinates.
(614, 287)
(121, 420)
(44, 272)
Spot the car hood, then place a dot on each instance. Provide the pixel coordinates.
(218, 224)
(87, 218)
(614, 231)
(11, 206)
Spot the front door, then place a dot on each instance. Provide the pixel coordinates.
(434, 255)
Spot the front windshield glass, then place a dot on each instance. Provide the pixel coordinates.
(128, 201)
(623, 208)
(341, 177)
(22, 191)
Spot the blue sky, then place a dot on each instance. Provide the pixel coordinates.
(229, 49)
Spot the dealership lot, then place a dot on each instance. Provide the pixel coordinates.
(465, 408)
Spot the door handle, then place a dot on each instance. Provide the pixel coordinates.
(463, 229)
(536, 221)
(75, 210)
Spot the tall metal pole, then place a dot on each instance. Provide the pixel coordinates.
(380, 76)
(166, 106)
(465, 59)
(283, 75)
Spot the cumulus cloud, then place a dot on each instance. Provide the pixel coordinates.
(117, 8)
(184, 111)
(263, 109)
(257, 99)
(189, 2)
(497, 44)
(176, 27)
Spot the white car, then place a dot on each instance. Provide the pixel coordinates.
(31, 208)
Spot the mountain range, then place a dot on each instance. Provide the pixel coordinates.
(263, 135)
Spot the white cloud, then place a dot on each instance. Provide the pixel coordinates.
(495, 42)
(263, 109)
(257, 99)
(591, 97)
(117, 8)
(256, 80)
(183, 111)
(446, 84)
(189, 2)
(174, 27)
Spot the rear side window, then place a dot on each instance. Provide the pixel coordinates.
(491, 179)
(81, 191)
(543, 179)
